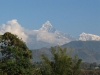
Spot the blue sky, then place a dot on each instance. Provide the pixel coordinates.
(69, 16)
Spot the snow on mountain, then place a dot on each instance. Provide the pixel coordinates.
(47, 27)
(89, 37)
(47, 35)
(50, 35)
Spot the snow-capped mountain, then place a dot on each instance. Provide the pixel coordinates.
(48, 34)
(89, 37)
(47, 27)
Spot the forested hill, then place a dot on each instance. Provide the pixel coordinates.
(89, 51)
(89, 45)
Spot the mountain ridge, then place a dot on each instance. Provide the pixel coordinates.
(88, 51)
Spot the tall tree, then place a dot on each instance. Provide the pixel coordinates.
(61, 64)
(15, 59)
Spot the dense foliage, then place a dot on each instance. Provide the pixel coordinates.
(15, 59)
(61, 64)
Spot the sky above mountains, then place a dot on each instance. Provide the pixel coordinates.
(68, 16)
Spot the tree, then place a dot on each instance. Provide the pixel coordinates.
(75, 65)
(61, 64)
(15, 59)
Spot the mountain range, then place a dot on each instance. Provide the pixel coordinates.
(87, 46)
(48, 36)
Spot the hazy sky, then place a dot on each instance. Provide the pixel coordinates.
(68, 16)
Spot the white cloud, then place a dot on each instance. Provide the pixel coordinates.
(51, 38)
(15, 28)
(45, 36)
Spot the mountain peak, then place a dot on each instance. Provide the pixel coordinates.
(89, 37)
(47, 26)
(83, 33)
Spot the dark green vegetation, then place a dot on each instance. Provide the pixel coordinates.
(61, 64)
(16, 59)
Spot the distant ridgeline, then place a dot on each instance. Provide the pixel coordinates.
(89, 51)
(90, 45)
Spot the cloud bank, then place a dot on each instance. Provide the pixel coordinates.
(15, 28)
(51, 38)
